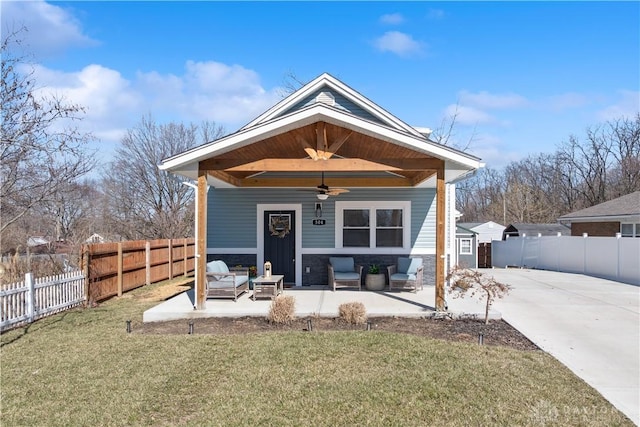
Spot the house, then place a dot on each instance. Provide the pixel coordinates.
(39, 245)
(95, 238)
(324, 172)
(621, 215)
(466, 247)
(521, 229)
(486, 232)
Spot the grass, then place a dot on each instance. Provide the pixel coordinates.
(82, 368)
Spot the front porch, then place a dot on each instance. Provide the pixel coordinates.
(320, 301)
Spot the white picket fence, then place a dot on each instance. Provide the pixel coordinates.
(615, 258)
(34, 298)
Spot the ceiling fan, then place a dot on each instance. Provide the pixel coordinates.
(324, 191)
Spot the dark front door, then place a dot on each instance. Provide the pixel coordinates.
(280, 243)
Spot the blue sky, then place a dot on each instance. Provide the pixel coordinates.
(521, 77)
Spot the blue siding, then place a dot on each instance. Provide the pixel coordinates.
(232, 214)
(341, 102)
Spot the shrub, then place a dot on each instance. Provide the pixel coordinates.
(353, 312)
(282, 310)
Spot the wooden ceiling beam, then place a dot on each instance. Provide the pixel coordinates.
(423, 176)
(331, 182)
(331, 165)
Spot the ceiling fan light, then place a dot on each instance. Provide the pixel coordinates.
(322, 196)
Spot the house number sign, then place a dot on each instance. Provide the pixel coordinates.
(319, 222)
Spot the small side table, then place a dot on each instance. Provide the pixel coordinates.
(267, 286)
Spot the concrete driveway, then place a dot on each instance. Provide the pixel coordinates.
(590, 325)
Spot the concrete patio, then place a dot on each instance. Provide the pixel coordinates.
(319, 301)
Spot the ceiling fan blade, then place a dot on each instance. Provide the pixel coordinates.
(336, 191)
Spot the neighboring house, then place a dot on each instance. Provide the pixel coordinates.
(466, 247)
(621, 215)
(277, 189)
(486, 231)
(531, 230)
(38, 245)
(95, 238)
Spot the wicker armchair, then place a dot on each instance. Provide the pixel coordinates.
(343, 272)
(406, 275)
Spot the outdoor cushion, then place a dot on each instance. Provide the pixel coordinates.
(342, 264)
(217, 266)
(341, 275)
(409, 265)
(213, 267)
(403, 277)
(227, 282)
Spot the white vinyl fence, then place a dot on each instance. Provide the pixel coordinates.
(615, 258)
(24, 302)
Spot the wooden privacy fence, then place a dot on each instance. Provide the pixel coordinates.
(114, 268)
(34, 298)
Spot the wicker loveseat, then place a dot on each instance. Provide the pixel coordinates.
(223, 282)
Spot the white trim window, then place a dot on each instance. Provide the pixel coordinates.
(465, 247)
(374, 225)
(629, 230)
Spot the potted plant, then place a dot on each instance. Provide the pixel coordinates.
(375, 280)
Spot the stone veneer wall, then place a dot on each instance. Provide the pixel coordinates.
(317, 264)
(318, 274)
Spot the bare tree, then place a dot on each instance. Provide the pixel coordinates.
(42, 149)
(542, 187)
(143, 201)
(465, 281)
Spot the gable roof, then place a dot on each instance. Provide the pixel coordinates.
(463, 230)
(376, 148)
(628, 205)
(321, 84)
(473, 225)
(518, 229)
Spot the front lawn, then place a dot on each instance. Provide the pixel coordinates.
(82, 368)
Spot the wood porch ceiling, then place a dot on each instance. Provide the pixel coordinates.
(296, 159)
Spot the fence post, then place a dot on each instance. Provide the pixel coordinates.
(618, 236)
(120, 262)
(186, 257)
(170, 259)
(584, 253)
(29, 282)
(85, 271)
(147, 247)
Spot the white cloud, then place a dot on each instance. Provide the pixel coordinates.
(468, 116)
(110, 103)
(228, 95)
(566, 101)
(50, 29)
(392, 19)
(628, 105)
(399, 43)
(487, 100)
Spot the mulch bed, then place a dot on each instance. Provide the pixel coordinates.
(497, 332)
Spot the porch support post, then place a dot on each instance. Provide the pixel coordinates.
(440, 237)
(201, 240)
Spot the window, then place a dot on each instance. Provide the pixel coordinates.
(630, 230)
(372, 224)
(465, 247)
